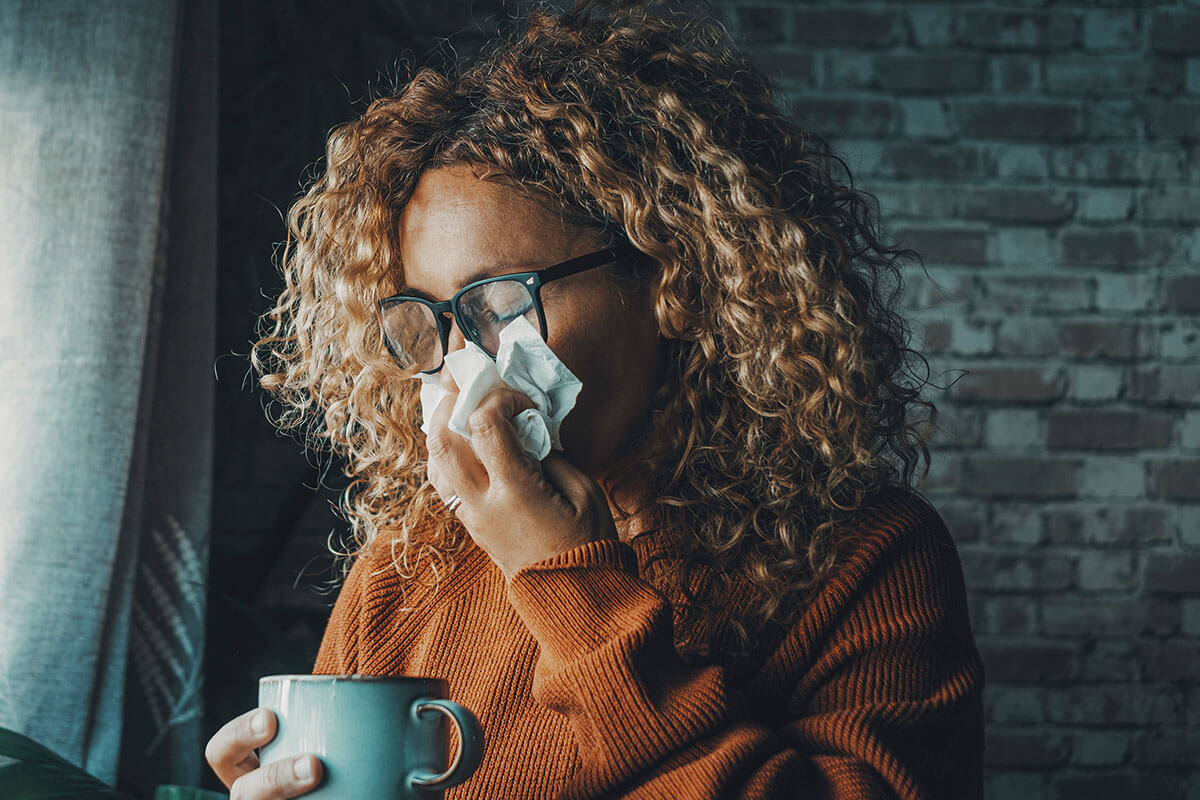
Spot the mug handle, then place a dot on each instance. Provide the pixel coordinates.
(470, 745)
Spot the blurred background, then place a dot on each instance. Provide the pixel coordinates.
(162, 547)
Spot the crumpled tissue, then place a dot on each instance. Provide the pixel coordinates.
(527, 364)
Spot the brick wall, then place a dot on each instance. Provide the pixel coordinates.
(1044, 158)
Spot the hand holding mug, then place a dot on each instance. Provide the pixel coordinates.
(231, 754)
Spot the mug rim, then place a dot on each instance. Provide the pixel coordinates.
(349, 677)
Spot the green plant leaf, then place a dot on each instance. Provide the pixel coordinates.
(24, 781)
(38, 773)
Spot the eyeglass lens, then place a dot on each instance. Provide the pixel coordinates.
(412, 332)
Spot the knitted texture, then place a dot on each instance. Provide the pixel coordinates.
(574, 672)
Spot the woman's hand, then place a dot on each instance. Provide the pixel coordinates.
(517, 514)
(230, 753)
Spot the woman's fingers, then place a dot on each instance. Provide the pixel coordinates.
(494, 436)
(584, 494)
(453, 468)
(288, 778)
(230, 752)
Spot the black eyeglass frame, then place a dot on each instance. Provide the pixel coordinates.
(533, 282)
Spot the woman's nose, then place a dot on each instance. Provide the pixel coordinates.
(455, 341)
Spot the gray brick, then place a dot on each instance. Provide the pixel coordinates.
(946, 245)
(901, 201)
(931, 74)
(847, 71)
(1180, 340)
(957, 428)
(1169, 204)
(847, 27)
(1176, 119)
(1172, 386)
(1016, 523)
(1111, 30)
(1190, 617)
(1175, 32)
(1106, 205)
(1100, 786)
(1027, 161)
(1009, 385)
(1030, 662)
(1176, 746)
(1030, 293)
(1091, 616)
(1090, 383)
(1177, 479)
(1101, 748)
(927, 119)
(1173, 573)
(989, 120)
(1019, 477)
(1107, 571)
(1104, 339)
(1097, 429)
(1186, 522)
(1033, 572)
(1024, 31)
(1124, 292)
(931, 27)
(1111, 662)
(1106, 525)
(1028, 248)
(1170, 662)
(1026, 748)
(1182, 293)
(1007, 615)
(844, 116)
(1110, 164)
(1087, 75)
(934, 161)
(1016, 705)
(1041, 206)
(1015, 75)
(1025, 785)
(1120, 249)
(1111, 120)
(1101, 705)
(1006, 429)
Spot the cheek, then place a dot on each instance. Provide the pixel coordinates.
(620, 366)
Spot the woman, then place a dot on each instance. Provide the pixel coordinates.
(721, 587)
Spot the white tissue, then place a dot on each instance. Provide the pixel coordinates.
(524, 362)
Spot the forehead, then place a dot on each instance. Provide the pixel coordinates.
(457, 225)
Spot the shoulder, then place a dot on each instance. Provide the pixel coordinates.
(893, 522)
(897, 553)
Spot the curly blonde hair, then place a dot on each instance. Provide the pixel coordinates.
(790, 390)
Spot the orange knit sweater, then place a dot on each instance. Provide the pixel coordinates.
(573, 672)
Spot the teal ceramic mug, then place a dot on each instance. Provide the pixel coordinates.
(376, 737)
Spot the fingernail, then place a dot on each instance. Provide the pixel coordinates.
(302, 769)
(258, 723)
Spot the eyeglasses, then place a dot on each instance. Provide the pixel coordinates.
(417, 331)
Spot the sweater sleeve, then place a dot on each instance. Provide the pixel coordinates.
(338, 654)
(886, 703)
